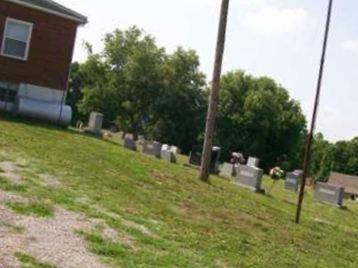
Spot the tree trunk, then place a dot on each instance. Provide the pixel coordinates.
(214, 98)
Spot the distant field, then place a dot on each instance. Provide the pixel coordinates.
(170, 217)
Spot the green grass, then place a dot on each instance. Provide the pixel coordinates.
(35, 209)
(190, 223)
(103, 247)
(30, 262)
(9, 186)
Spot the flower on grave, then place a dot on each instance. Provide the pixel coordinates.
(277, 173)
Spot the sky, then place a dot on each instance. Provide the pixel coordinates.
(281, 39)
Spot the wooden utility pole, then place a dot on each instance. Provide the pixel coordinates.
(214, 97)
(306, 163)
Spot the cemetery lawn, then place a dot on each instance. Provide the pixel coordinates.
(171, 218)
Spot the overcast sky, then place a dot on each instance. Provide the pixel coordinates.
(277, 38)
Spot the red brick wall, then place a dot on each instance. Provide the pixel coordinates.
(50, 52)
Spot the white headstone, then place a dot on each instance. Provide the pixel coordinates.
(168, 156)
(253, 162)
(227, 170)
(95, 123)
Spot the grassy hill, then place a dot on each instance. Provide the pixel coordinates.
(184, 222)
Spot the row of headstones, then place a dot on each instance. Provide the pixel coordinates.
(324, 192)
(250, 176)
(153, 148)
(156, 149)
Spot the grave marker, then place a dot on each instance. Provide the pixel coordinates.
(195, 158)
(293, 180)
(249, 177)
(175, 150)
(168, 156)
(253, 162)
(95, 123)
(329, 194)
(152, 148)
(228, 170)
(130, 144)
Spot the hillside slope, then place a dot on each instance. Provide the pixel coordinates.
(171, 218)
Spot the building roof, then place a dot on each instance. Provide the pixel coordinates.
(350, 183)
(52, 7)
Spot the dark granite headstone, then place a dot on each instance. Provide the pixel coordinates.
(227, 170)
(329, 194)
(130, 144)
(152, 148)
(168, 156)
(195, 158)
(249, 177)
(293, 180)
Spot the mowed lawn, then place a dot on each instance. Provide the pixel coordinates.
(186, 223)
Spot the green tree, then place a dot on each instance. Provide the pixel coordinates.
(142, 89)
(258, 118)
(341, 156)
(181, 108)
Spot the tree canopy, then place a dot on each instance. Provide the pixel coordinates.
(258, 118)
(341, 157)
(142, 89)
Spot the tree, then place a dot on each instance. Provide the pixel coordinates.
(142, 89)
(338, 157)
(320, 159)
(180, 110)
(258, 118)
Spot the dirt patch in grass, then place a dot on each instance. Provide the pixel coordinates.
(11, 171)
(52, 240)
(50, 181)
(10, 197)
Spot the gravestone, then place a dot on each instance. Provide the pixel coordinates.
(249, 177)
(141, 139)
(128, 136)
(195, 158)
(165, 147)
(253, 162)
(175, 150)
(293, 180)
(168, 156)
(329, 194)
(130, 144)
(95, 123)
(228, 170)
(152, 148)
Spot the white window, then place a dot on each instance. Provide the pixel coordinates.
(16, 41)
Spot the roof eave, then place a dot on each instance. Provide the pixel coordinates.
(81, 20)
